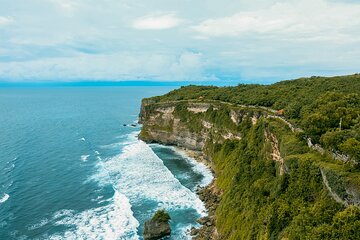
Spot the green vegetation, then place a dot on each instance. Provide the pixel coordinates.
(258, 200)
(161, 216)
(259, 203)
(328, 109)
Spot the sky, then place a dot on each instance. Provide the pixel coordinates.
(257, 41)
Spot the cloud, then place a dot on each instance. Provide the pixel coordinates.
(189, 66)
(114, 67)
(157, 22)
(66, 5)
(5, 21)
(307, 19)
(116, 40)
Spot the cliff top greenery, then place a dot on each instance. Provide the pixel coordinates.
(259, 201)
(161, 216)
(327, 108)
(278, 95)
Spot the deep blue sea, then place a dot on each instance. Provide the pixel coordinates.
(69, 169)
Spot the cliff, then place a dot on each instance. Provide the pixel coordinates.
(273, 184)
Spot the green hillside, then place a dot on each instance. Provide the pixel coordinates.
(316, 104)
(299, 194)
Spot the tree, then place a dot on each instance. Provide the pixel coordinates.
(352, 147)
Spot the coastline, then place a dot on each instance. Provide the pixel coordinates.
(209, 195)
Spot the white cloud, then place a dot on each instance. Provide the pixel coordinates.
(157, 22)
(5, 21)
(189, 66)
(309, 19)
(66, 5)
(89, 39)
(118, 66)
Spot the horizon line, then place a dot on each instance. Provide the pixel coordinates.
(105, 83)
(120, 83)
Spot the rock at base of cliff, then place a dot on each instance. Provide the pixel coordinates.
(157, 227)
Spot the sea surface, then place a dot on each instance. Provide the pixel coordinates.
(70, 169)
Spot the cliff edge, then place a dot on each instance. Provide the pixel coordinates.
(270, 184)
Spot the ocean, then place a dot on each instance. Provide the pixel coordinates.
(70, 169)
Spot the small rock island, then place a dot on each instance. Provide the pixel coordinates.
(158, 226)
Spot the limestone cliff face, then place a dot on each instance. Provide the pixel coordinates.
(164, 123)
(162, 126)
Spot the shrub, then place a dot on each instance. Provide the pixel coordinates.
(161, 216)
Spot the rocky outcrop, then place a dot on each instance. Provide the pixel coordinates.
(198, 107)
(162, 125)
(210, 195)
(334, 154)
(180, 137)
(342, 193)
(157, 227)
(275, 151)
(333, 194)
(155, 230)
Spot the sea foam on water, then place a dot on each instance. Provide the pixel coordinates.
(137, 175)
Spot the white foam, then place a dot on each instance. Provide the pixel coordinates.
(42, 223)
(197, 166)
(135, 174)
(113, 221)
(82, 139)
(116, 145)
(4, 198)
(84, 158)
(140, 174)
(99, 199)
(62, 213)
(131, 138)
(10, 166)
(183, 233)
(97, 152)
(7, 185)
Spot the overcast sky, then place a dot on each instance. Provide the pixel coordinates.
(168, 40)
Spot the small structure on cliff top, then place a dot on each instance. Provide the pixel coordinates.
(158, 226)
(280, 112)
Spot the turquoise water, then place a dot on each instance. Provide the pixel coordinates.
(71, 170)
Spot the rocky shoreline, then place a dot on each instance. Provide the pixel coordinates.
(210, 195)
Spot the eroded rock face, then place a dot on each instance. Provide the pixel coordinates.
(198, 107)
(182, 138)
(158, 226)
(161, 124)
(275, 151)
(154, 229)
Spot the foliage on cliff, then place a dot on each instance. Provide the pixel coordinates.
(328, 109)
(161, 216)
(259, 201)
